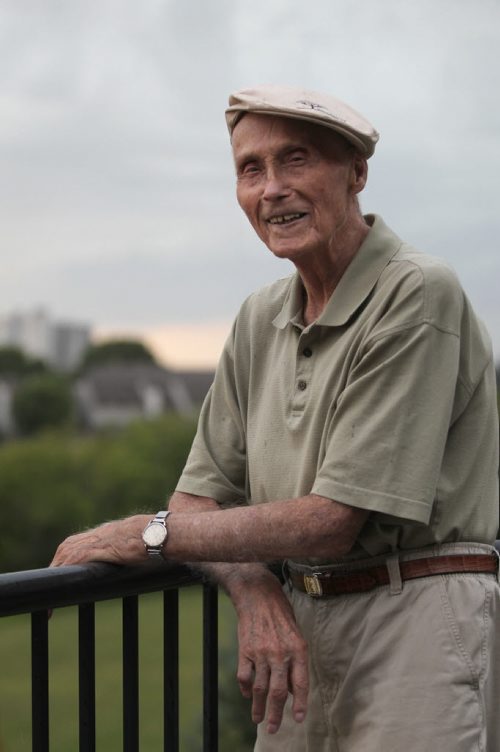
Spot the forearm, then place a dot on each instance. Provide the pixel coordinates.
(236, 578)
(310, 526)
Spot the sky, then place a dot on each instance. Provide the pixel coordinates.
(117, 190)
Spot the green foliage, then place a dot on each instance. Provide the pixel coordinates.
(42, 401)
(40, 499)
(58, 483)
(117, 351)
(13, 362)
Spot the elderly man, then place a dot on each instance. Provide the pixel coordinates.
(351, 431)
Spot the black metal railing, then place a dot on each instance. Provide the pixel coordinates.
(39, 591)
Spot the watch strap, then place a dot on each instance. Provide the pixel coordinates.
(161, 516)
(159, 519)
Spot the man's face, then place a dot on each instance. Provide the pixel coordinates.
(296, 182)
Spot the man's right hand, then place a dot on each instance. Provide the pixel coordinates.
(272, 653)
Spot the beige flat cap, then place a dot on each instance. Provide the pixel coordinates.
(301, 104)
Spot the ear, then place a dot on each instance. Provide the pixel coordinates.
(359, 173)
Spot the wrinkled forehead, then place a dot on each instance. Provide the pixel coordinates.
(260, 130)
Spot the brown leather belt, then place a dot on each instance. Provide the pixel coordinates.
(332, 583)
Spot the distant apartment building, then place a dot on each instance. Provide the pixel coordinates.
(60, 344)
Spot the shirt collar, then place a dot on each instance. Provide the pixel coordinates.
(356, 283)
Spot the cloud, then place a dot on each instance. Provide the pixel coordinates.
(116, 189)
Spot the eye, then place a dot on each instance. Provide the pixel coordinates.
(296, 157)
(247, 169)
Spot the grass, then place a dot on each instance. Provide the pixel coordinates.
(15, 689)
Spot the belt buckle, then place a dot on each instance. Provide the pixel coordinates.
(313, 585)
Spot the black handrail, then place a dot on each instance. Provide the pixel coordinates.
(41, 589)
(38, 591)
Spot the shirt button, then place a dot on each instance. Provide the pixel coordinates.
(307, 352)
(302, 385)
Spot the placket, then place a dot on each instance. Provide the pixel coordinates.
(304, 367)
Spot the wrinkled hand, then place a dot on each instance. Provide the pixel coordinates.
(117, 542)
(272, 656)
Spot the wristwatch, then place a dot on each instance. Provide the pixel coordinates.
(155, 534)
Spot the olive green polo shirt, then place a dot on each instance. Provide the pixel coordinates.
(386, 402)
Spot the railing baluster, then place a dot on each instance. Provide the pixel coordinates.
(86, 677)
(210, 670)
(130, 674)
(40, 681)
(171, 670)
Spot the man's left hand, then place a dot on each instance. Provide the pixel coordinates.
(117, 542)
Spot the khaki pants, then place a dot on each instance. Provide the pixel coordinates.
(412, 670)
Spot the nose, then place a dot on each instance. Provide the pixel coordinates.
(276, 186)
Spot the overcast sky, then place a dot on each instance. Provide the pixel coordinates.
(117, 199)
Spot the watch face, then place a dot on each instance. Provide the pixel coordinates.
(154, 534)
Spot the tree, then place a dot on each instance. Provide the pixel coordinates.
(42, 401)
(117, 351)
(14, 362)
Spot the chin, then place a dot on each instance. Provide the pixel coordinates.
(290, 252)
(282, 253)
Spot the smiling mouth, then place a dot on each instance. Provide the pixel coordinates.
(284, 219)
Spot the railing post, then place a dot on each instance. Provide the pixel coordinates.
(130, 674)
(171, 670)
(86, 677)
(40, 681)
(210, 670)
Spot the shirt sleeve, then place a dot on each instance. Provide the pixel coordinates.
(388, 433)
(217, 463)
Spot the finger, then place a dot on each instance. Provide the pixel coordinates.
(277, 696)
(245, 676)
(70, 553)
(68, 549)
(259, 692)
(58, 557)
(66, 554)
(299, 682)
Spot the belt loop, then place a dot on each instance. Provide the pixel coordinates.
(497, 554)
(396, 584)
(286, 576)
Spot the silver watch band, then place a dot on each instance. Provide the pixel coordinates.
(155, 550)
(161, 516)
